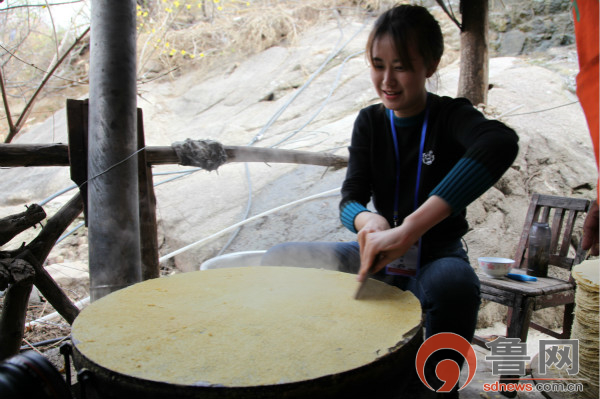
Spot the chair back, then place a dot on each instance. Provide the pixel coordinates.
(561, 214)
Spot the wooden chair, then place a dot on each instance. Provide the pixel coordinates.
(523, 298)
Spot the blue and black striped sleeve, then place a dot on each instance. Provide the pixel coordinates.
(491, 147)
(348, 212)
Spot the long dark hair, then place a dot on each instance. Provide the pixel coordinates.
(409, 25)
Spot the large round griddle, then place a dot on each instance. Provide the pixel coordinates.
(256, 332)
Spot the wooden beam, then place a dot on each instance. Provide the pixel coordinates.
(166, 155)
(15, 155)
(12, 225)
(41, 246)
(55, 154)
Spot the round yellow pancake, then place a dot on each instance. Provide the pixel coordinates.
(244, 326)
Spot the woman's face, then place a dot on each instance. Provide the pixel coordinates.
(401, 90)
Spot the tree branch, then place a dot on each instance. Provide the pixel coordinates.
(39, 5)
(30, 103)
(12, 225)
(450, 14)
(11, 126)
(12, 54)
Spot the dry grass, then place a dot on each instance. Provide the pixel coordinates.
(198, 39)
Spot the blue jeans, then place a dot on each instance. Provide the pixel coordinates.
(446, 284)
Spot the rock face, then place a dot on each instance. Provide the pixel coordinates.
(522, 27)
(238, 105)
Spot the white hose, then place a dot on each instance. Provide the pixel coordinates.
(85, 301)
(42, 320)
(243, 222)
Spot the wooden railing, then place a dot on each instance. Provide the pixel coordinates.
(22, 268)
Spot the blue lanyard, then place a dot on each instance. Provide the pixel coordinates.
(419, 163)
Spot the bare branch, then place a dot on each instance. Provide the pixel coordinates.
(450, 14)
(15, 47)
(30, 103)
(11, 126)
(38, 68)
(39, 5)
(53, 29)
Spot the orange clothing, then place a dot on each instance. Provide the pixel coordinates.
(586, 17)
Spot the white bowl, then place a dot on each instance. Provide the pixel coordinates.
(495, 267)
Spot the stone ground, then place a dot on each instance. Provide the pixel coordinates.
(484, 375)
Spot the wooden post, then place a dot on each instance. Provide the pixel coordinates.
(77, 122)
(113, 199)
(14, 310)
(148, 225)
(474, 63)
(77, 116)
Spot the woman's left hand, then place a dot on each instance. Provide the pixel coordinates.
(379, 248)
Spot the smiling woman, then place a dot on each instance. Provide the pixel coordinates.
(421, 159)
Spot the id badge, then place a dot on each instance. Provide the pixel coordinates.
(405, 265)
